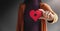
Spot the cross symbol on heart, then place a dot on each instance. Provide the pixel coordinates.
(35, 14)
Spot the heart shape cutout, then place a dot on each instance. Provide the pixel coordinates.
(35, 15)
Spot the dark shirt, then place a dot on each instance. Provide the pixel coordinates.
(29, 24)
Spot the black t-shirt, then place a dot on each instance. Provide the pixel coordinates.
(29, 24)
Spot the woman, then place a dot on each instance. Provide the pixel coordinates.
(25, 22)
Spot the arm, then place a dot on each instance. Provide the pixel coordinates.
(45, 6)
(20, 17)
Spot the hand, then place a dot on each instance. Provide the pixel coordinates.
(48, 15)
(45, 15)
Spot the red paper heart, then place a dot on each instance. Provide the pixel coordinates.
(35, 15)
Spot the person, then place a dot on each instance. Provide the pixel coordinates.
(25, 23)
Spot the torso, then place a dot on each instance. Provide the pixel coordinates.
(29, 24)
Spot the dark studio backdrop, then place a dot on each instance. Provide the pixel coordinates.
(9, 14)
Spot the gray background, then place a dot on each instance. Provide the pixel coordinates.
(9, 14)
